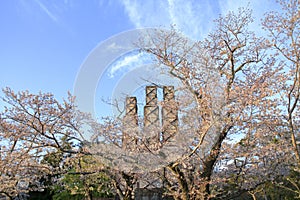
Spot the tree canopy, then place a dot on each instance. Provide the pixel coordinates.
(238, 106)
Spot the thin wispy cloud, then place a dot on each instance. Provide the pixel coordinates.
(47, 11)
(114, 47)
(147, 13)
(128, 62)
(190, 17)
(55, 12)
(193, 18)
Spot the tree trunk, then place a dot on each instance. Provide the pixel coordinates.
(183, 185)
(209, 163)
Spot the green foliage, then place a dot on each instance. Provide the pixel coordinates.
(77, 186)
(80, 180)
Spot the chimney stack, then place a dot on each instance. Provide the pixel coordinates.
(169, 113)
(151, 115)
(155, 134)
(130, 123)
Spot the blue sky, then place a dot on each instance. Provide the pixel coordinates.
(43, 44)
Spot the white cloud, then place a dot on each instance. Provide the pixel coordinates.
(147, 13)
(193, 18)
(47, 11)
(114, 47)
(127, 62)
(55, 11)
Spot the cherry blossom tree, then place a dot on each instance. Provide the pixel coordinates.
(283, 29)
(235, 86)
(284, 41)
(33, 126)
(237, 133)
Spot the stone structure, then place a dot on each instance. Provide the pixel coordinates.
(160, 124)
(130, 124)
(156, 130)
(169, 113)
(151, 116)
